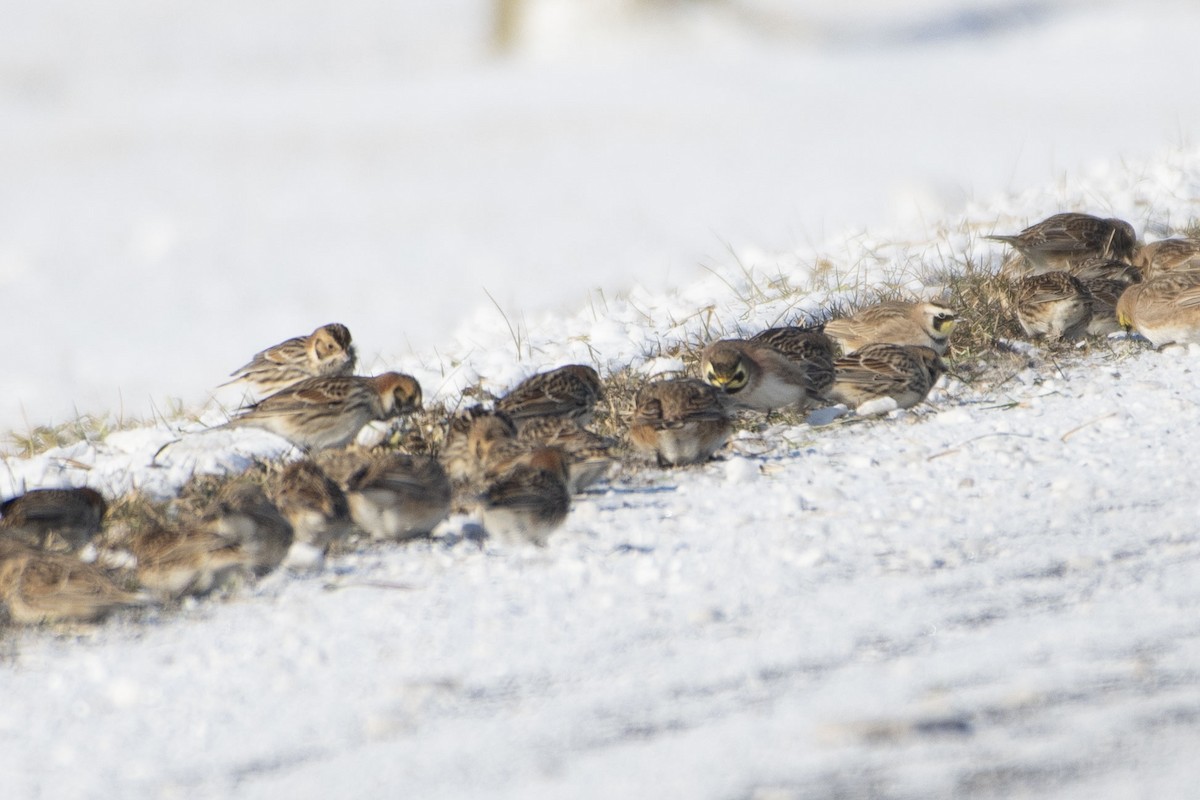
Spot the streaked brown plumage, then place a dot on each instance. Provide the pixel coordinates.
(393, 495)
(1168, 255)
(39, 587)
(809, 346)
(681, 421)
(53, 519)
(901, 372)
(528, 501)
(1095, 269)
(589, 455)
(314, 505)
(1105, 293)
(1064, 240)
(468, 431)
(188, 560)
(241, 512)
(754, 375)
(325, 352)
(319, 413)
(927, 324)
(570, 391)
(1055, 305)
(1164, 309)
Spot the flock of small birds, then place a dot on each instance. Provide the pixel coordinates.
(517, 462)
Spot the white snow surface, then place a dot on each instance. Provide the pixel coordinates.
(993, 595)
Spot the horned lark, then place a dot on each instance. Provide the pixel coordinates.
(755, 375)
(1164, 309)
(187, 560)
(1054, 305)
(396, 496)
(570, 391)
(529, 501)
(1063, 240)
(318, 413)
(809, 346)
(680, 421)
(325, 352)
(242, 513)
(589, 455)
(312, 503)
(904, 373)
(53, 519)
(1168, 255)
(925, 324)
(38, 587)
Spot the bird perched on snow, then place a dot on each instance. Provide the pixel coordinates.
(38, 587)
(925, 324)
(1105, 293)
(809, 346)
(681, 421)
(318, 413)
(903, 373)
(392, 495)
(529, 500)
(53, 519)
(1062, 241)
(589, 455)
(469, 437)
(314, 505)
(241, 512)
(1055, 305)
(1164, 309)
(187, 560)
(753, 374)
(570, 391)
(1168, 255)
(325, 352)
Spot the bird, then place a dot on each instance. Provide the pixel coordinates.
(1168, 255)
(392, 495)
(469, 435)
(1105, 293)
(570, 391)
(1054, 305)
(529, 501)
(754, 375)
(1100, 268)
(326, 352)
(242, 512)
(189, 559)
(809, 346)
(318, 413)
(680, 421)
(927, 324)
(54, 519)
(43, 587)
(1164, 309)
(314, 505)
(589, 455)
(904, 373)
(1063, 240)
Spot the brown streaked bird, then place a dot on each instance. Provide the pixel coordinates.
(1105, 293)
(570, 391)
(326, 352)
(319, 413)
(925, 324)
(467, 434)
(54, 519)
(188, 560)
(809, 346)
(529, 501)
(589, 455)
(1164, 309)
(394, 496)
(752, 374)
(39, 587)
(902, 372)
(1168, 255)
(1062, 241)
(1106, 269)
(314, 505)
(241, 512)
(680, 421)
(1054, 305)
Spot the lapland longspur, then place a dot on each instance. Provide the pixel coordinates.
(925, 324)
(469, 436)
(393, 495)
(1094, 269)
(904, 373)
(528, 501)
(318, 413)
(53, 519)
(1064, 240)
(327, 351)
(589, 455)
(1105, 293)
(314, 505)
(1168, 255)
(570, 391)
(242, 512)
(1055, 305)
(681, 421)
(1164, 309)
(38, 587)
(187, 560)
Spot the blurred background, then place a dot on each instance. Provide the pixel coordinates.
(186, 183)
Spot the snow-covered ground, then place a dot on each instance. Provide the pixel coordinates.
(995, 595)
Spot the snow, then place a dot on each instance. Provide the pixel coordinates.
(993, 594)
